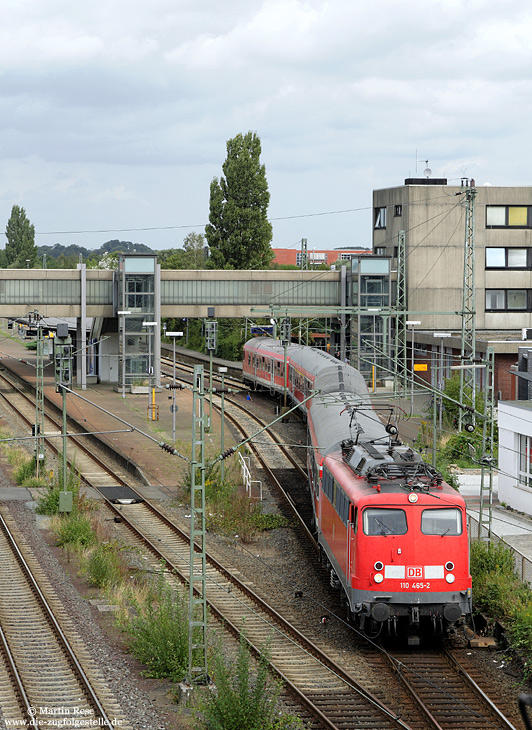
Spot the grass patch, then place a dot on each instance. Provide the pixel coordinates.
(498, 591)
(267, 521)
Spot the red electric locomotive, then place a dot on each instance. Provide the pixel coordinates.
(396, 540)
(393, 534)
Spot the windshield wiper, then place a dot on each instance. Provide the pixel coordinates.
(383, 527)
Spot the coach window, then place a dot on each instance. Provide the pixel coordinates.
(379, 521)
(441, 521)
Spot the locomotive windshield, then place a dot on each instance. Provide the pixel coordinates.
(441, 522)
(384, 521)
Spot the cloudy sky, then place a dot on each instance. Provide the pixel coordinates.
(115, 113)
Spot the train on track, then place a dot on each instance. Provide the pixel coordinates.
(392, 532)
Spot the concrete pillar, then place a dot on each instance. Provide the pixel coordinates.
(81, 331)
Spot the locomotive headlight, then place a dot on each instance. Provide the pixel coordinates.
(378, 565)
(378, 577)
(412, 498)
(449, 566)
(449, 578)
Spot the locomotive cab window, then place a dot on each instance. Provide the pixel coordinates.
(441, 522)
(378, 521)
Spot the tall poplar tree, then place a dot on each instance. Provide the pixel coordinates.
(21, 251)
(238, 232)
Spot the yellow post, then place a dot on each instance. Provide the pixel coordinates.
(373, 378)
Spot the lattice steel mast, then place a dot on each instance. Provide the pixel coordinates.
(400, 360)
(467, 376)
(197, 598)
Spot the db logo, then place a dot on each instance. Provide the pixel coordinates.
(414, 571)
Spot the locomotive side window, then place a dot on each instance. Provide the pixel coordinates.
(441, 522)
(327, 484)
(379, 521)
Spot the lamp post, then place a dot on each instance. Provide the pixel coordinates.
(123, 314)
(151, 393)
(173, 335)
(412, 324)
(222, 371)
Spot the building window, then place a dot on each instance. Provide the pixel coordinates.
(525, 460)
(507, 300)
(508, 216)
(380, 251)
(398, 210)
(380, 217)
(508, 258)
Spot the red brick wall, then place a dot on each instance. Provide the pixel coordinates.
(289, 255)
(504, 380)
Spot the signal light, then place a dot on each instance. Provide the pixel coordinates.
(469, 427)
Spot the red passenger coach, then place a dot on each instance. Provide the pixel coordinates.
(264, 366)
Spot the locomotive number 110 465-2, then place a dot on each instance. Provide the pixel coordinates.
(418, 586)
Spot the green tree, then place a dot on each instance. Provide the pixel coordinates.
(21, 250)
(171, 258)
(238, 232)
(194, 251)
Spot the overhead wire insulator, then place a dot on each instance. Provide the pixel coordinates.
(227, 453)
(166, 447)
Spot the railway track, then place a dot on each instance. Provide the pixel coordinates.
(45, 672)
(445, 693)
(329, 694)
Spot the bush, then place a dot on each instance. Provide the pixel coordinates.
(159, 632)
(493, 557)
(75, 529)
(498, 590)
(451, 389)
(242, 701)
(457, 447)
